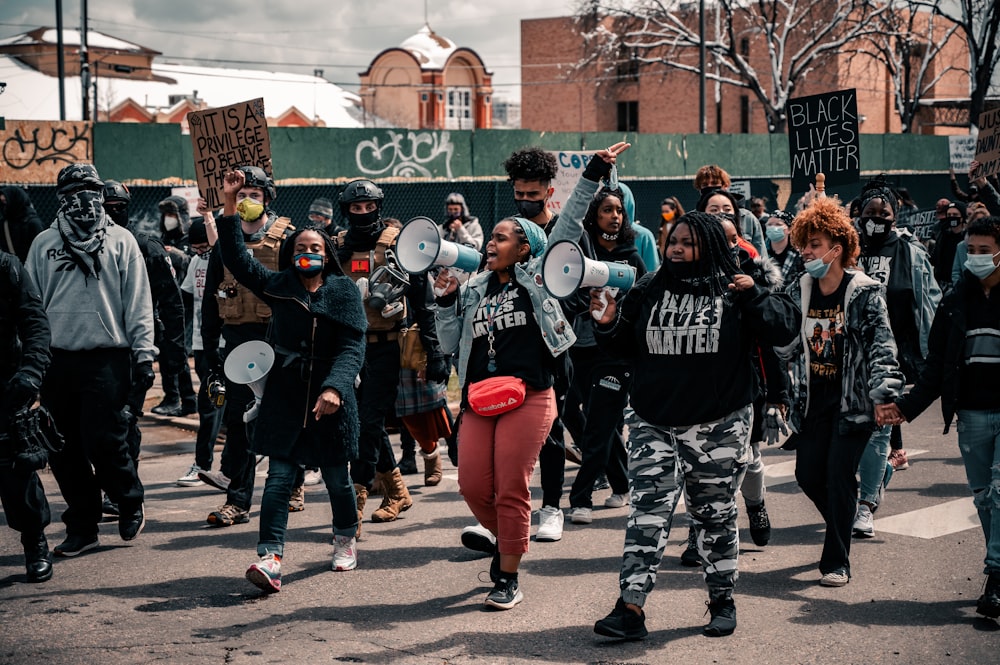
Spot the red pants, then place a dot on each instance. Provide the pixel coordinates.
(496, 462)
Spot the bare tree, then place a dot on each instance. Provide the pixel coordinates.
(801, 36)
(908, 45)
(979, 22)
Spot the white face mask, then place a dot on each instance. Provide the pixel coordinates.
(170, 222)
(981, 265)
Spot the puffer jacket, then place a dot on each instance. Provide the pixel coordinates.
(870, 374)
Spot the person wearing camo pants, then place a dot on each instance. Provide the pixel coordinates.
(689, 330)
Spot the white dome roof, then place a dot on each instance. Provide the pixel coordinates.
(430, 49)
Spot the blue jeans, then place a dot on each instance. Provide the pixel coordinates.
(979, 441)
(281, 477)
(874, 468)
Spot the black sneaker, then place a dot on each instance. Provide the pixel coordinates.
(505, 594)
(74, 545)
(622, 623)
(989, 603)
(168, 407)
(723, 621)
(408, 464)
(760, 525)
(109, 507)
(690, 556)
(37, 558)
(130, 526)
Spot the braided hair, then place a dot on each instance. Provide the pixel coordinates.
(716, 266)
(878, 188)
(287, 251)
(626, 234)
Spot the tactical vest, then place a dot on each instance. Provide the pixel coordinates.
(237, 305)
(363, 264)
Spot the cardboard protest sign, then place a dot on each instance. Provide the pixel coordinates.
(823, 138)
(35, 151)
(740, 188)
(988, 144)
(227, 137)
(571, 166)
(961, 150)
(923, 223)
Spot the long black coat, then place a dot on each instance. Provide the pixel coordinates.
(319, 342)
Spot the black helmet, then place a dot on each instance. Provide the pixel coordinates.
(360, 190)
(256, 177)
(116, 192)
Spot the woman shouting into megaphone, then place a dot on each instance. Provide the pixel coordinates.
(508, 332)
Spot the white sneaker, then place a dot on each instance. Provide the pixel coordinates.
(479, 538)
(550, 524)
(313, 477)
(864, 522)
(617, 501)
(581, 515)
(345, 554)
(190, 479)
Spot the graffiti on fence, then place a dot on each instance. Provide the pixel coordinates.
(35, 152)
(407, 155)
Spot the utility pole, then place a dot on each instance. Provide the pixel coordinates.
(702, 126)
(84, 61)
(60, 61)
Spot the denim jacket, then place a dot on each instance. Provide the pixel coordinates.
(870, 372)
(455, 328)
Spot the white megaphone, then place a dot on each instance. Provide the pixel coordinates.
(420, 247)
(565, 270)
(248, 364)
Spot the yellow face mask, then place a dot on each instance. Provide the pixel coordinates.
(250, 210)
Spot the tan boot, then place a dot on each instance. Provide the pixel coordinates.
(362, 496)
(395, 496)
(432, 467)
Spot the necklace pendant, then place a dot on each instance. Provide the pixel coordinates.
(491, 366)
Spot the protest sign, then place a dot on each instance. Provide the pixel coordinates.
(923, 223)
(224, 138)
(988, 144)
(961, 149)
(823, 138)
(741, 188)
(571, 166)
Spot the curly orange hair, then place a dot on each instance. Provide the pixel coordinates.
(827, 216)
(711, 173)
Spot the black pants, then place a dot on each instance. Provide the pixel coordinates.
(86, 393)
(209, 419)
(376, 397)
(552, 457)
(242, 463)
(24, 502)
(600, 386)
(826, 461)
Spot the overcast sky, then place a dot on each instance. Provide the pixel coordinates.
(341, 38)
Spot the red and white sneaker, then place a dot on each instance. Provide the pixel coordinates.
(897, 458)
(266, 573)
(345, 553)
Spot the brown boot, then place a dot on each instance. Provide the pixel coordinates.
(432, 467)
(361, 494)
(395, 496)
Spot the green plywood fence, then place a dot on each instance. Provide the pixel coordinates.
(156, 152)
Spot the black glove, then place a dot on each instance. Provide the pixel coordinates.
(596, 169)
(144, 376)
(22, 389)
(438, 368)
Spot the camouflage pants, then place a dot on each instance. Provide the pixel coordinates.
(710, 459)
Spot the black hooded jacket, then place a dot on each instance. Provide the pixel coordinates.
(20, 222)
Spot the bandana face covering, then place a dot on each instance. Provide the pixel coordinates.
(85, 208)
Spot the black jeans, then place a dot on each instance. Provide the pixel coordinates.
(24, 502)
(601, 388)
(552, 457)
(86, 393)
(826, 461)
(209, 418)
(376, 397)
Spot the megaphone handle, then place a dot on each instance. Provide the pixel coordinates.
(598, 313)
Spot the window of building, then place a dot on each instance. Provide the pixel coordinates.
(745, 47)
(628, 65)
(744, 114)
(458, 112)
(628, 116)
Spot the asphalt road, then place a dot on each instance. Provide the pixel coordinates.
(177, 594)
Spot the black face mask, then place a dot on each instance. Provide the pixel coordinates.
(875, 230)
(681, 269)
(118, 214)
(530, 209)
(364, 222)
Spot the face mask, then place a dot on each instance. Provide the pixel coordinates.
(530, 209)
(816, 268)
(953, 221)
(735, 251)
(876, 229)
(668, 216)
(170, 222)
(454, 215)
(85, 208)
(308, 264)
(363, 221)
(250, 210)
(981, 265)
(775, 233)
(118, 214)
(681, 269)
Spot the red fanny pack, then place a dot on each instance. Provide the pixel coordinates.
(496, 396)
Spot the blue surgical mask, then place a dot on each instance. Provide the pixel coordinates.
(308, 264)
(816, 268)
(981, 265)
(775, 233)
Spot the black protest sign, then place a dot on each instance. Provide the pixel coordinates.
(224, 138)
(988, 144)
(823, 138)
